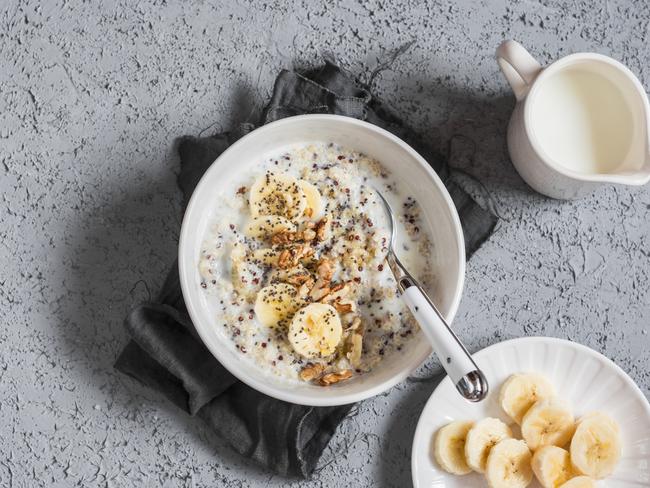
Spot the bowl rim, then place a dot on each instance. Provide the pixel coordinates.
(186, 261)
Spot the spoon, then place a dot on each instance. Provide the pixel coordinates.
(459, 365)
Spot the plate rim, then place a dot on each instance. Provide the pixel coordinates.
(533, 339)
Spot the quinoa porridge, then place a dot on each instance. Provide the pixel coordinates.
(294, 257)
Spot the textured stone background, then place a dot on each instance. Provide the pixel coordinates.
(91, 99)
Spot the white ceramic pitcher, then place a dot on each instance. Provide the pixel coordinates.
(579, 123)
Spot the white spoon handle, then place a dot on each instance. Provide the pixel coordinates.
(458, 364)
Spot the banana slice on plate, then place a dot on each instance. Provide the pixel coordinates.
(521, 391)
(480, 439)
(552, 466)
(315, 206)
(276, 303)
(267, 225)
(579, 482)
(315, 330)
(547, 423)
(508, 465)
(596, 445)
(449, 447)
(277, 194)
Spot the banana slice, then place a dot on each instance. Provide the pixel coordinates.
(267, 225)
(276, 303)
(508, 465)
(266, 256)
(315, 330)
(579, 482)
(449, 447)
(552, 466)
(547, 423)
(277, 194)
(596, 446)
(315, 207)
(480, 439)
(521, 391)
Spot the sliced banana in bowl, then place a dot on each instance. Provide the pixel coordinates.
(315, 207)
(276, 303)
(315, 331)
(266, 226)
(277, 194)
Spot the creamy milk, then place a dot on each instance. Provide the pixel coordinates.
(582, 121)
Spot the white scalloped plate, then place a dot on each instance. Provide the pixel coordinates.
(585, 378)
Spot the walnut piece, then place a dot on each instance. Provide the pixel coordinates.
(325, 269)
(287, 237)
(289, 258)
(311, 371)
(284, 260)
(340, 291)
(308, 235)
(343, 307)
(322, 229)
(320, 290)
(331, 378)
(299, 279)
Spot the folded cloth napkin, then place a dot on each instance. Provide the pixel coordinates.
(166, 353)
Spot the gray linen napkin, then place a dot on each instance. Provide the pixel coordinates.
(165, 352)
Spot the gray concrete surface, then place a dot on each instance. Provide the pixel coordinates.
(92, 95)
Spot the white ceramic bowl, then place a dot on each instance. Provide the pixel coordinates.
(448, 258)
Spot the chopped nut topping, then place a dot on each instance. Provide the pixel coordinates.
(339, 291)
(331, 378)
(356, 324)
(319, 291)
(311, 371)
(290, 257)
(325, 269)
(343, 307)
(284, 260)
(283, 238)
(305, 288)
(322, 229)
(299, 279)
(355, 343)
(287, 237)
(338, 287)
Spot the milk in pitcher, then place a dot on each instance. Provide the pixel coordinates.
(583, 121)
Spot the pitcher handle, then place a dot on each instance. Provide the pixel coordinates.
(518, 66)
